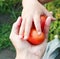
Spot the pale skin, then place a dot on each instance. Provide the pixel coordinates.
(44, 1)
(32, 9)
(24, 50)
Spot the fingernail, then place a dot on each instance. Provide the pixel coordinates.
(39, 33)
(25, 37)
(48, 20)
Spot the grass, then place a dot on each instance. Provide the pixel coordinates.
(4, 36)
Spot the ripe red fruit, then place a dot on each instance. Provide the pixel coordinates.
(34, 38)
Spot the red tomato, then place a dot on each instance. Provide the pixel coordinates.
(34, 38)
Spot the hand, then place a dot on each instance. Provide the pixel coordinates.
(32, 10)
(25, 50)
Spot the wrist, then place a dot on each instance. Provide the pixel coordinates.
(23, 55)
(18, 55)
(28, 2)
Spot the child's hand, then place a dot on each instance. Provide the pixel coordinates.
(32, 10)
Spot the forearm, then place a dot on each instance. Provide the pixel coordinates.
(44, 1)
(28, 3)
(27, 57)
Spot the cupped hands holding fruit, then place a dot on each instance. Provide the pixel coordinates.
(36, 33)
(25, 50)
(34, 38)
(32, 10)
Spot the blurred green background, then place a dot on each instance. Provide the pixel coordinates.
(11, 9)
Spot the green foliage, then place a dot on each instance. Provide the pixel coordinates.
(12, 7)
(55, 26)
(4, 35)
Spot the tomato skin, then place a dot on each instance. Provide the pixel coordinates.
(34, 38)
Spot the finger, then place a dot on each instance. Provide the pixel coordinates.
(28, 25)
(47, 26)
(46, 12)
(50, 14)
(37, 23)
(53, 19)
(18, 22)
(16, 25)
(22, 28)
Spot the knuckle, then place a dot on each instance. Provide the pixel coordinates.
(36, 17)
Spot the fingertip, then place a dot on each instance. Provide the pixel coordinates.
(48, 21)
(37, 23)
(28, 26)
(53, 19)
(39, 32)
(25, 37)
(51, 12)
(19, 19)
(52, 16)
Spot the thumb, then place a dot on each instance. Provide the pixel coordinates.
(47, 26)
(16, 25)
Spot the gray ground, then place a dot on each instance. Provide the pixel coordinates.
(7, 54)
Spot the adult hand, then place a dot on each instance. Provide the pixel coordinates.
(32, 10)
(24, 50)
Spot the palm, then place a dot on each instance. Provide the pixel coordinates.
(19, 44)
(24, 46)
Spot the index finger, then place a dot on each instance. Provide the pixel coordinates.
(47, 26)
(16, 25)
